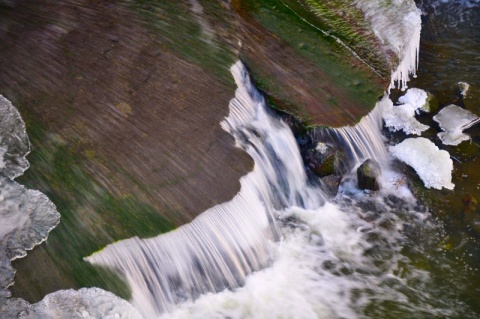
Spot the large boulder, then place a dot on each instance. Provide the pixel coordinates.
(368, 174)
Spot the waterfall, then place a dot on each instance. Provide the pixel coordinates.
(360, 142)
(280, 247)
(226, 243)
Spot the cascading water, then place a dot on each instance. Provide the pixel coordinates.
(361, 142)
(322, 261)
(232, 240)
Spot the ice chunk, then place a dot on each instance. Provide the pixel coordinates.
(453, 120)
(434, 166)
(84, 303)
(417, 98)
(14, 143)
(397, 26)
(463, 87)
(402, 117)
(26, 218)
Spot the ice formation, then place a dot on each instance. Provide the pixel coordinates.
(453, 120)
(402, 117)
(14, 143)
(434, 166)
(26, 216)
(417, 98)
(463, 87)
(397, 25)
(84, 303)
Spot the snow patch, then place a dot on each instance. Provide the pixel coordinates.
(434, 166)
(453, 120)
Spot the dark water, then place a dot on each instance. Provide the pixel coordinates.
(450, 53)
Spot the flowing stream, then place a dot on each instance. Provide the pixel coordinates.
(281, 248)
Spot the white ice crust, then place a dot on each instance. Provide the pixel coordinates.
(434, 166)
(26, 216)
(87, 303)
(397, 26)
(453, 120)
(402, 117)
(463, 87)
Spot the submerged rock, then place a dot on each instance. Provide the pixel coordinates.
(470, 215)
(331, 183)
(368, 174)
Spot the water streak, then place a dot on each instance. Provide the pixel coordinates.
(359, 142)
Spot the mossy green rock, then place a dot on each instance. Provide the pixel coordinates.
(304, 69)
(368, 174)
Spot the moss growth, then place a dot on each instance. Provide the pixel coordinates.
(177, 29)
(341, 68)
(91, 217)
(327, 167)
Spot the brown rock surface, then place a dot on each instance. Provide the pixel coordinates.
(141, 121)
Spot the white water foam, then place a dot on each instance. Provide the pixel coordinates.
(229, 241)
(318, 259)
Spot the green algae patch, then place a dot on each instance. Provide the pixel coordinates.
(91, 218)
(189, 33)
(303, 67)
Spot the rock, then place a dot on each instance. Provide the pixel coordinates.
(321, 159)
(368, 174)
(330, 184)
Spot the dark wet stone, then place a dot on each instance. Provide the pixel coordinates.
(330, 184)
(321, 160)
(471, 217)
(470, 204)
(368, 174)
